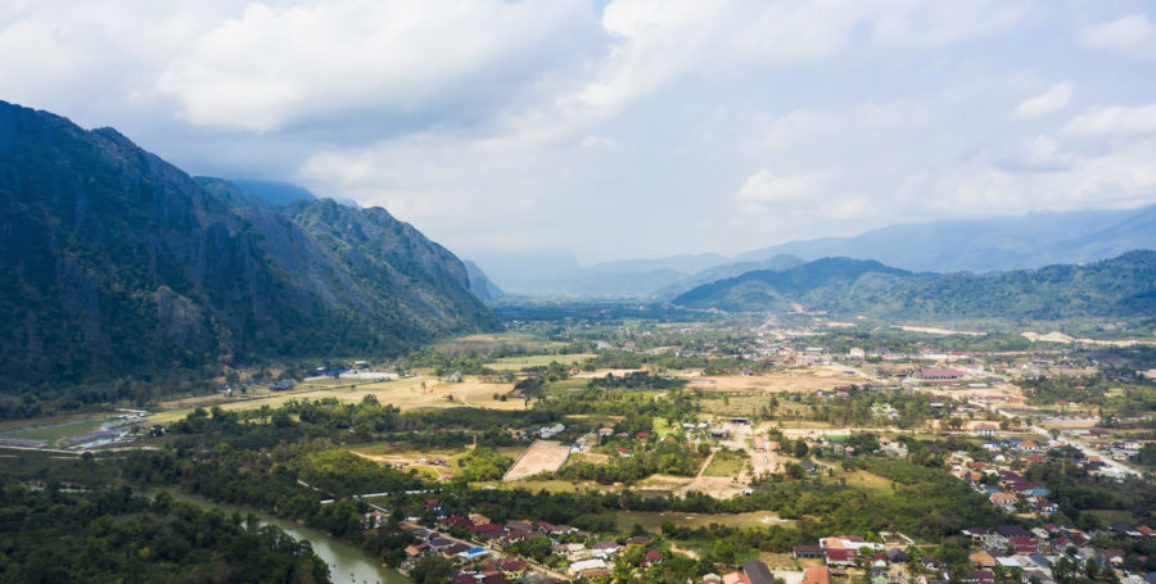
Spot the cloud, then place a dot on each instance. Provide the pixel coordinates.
(766, 187)
(1049, 102)
(1114, 120)
(1133, 36)
(277, 65)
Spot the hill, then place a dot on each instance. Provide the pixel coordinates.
(118, 262)
(1122, 286)
(981, 245)
(480, 284)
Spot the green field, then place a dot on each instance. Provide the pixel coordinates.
(652, 520)
(726, 464)
(61, 429)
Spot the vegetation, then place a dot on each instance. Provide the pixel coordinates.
(1122, 286)
(115, 536)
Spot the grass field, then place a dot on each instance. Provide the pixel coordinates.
(490, 341)
(521, 362)
(864, 481)
(652, 520)
(551, 486)
(60, 431)
(726, 464)
(422, 392)
(18, 425)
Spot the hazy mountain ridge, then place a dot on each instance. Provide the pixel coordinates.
(981, 245)
(118, 261)
(1122, 286)
(480, 283)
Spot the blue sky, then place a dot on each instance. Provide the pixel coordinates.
(625, 128)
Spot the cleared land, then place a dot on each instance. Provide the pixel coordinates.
(652, 520)
(518, 363)
(414, 393)
(541, 456)
(797, 380)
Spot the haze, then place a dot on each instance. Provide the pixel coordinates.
(621, 129)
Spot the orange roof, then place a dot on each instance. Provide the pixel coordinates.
(816, 575)
(982, 559)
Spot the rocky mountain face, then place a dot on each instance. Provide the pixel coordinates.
(116, 261)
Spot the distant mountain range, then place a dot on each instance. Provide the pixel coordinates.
(480, 284)
(1124, 286)
(981, 245)
(117, 262)
(1008, 243)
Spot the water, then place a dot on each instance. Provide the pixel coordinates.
(347, 564)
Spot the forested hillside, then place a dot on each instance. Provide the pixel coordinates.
(1123, 286)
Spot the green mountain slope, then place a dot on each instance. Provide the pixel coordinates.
(1123, 286)
(117, 262)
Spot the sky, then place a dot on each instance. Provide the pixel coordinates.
(621, 129)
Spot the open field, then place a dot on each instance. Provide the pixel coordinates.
(541, 456)
(552, 486)
(413, 393)
(20, 425)
(483, 342)
(652, 520)
(795, 380)
(518, 363)
(864, 481)
(726, 464)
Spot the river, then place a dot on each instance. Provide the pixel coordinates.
(347, 564)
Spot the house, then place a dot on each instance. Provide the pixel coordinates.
(587, 565)
(1114, 557)
(808, 552)
(651, 559)
(512, 568)
(735, 578)
(1005, 501)
(816, 575)
(986, 429)
(712, 579)
(897, 556)
(606, 548)
(638, 541)
(758, 573)
(841, 557)
(982, 560)
(487, 530)
(936, 374)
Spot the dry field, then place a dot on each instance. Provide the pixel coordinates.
(808, 380)
(519, 363)
(541, 456)
(652, 520)
(422, 392)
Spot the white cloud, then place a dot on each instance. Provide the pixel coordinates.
(1133, 35)
(766, 187)
(1049, 102)
(1118, 120)
(274, 65)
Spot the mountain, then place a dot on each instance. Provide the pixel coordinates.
(1029, 241)
(117, 262)
(558, 273)
(1122, 286)
(274, 193)
(480, 284)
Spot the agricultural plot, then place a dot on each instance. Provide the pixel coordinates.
(413, 393)
(542, 456)
(804, 380)
(521, 362)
